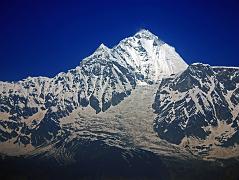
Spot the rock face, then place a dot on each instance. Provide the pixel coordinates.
(199, 105)
(31, 109)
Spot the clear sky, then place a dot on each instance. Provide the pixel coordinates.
(39, 37)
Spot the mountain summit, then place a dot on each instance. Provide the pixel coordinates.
(149, 56)
(102, 47)
(144, 33)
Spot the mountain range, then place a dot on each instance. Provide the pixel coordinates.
(135, 106)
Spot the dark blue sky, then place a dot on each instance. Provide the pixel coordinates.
(39, 37)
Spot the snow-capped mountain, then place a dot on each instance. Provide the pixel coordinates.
(199, 108)
(109, 98)
(31, 109)
(135, 106)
